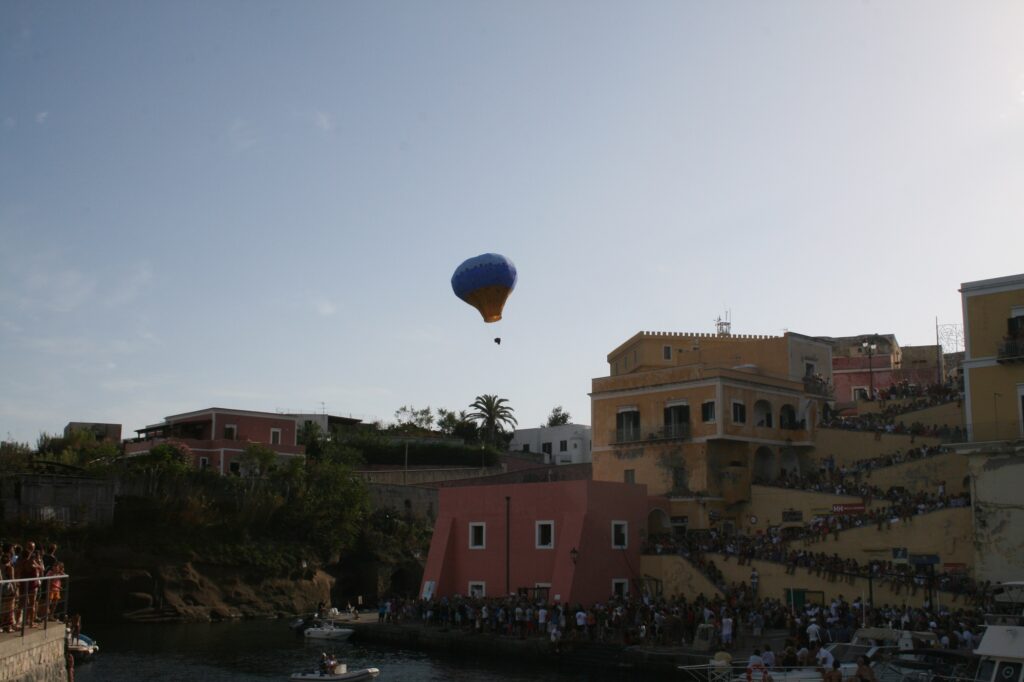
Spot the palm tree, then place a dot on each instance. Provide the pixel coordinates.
(493, 416)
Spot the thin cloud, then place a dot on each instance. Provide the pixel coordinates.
(42, 116)
(323, 121)
(61, 291)
(138, 277)
(240, 136)
(10, 122)
(324, 307)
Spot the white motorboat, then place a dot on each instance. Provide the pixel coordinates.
(336, 671)
(328, 631)
(81, 647)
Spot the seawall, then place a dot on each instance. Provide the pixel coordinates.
(36, 657)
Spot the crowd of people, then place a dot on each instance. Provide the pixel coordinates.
(677, 620)
(911, 399)
(778, 545)
(829, 472)
(31, 586)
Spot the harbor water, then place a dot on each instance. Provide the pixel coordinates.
(268, 650)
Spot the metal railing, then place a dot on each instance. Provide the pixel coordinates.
(816, 386)
(32, 603)
(1011, 350)
(678, 431)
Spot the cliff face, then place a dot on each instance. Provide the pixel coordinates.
(146, 589)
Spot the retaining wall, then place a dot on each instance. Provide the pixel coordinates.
(36, 657)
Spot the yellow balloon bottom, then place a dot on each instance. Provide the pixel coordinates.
(490, 301)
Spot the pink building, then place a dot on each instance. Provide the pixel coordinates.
(862, 365)
(217, 436)
(568, 541)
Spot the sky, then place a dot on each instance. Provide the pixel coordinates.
(259, 205)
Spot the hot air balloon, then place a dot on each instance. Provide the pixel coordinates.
(485, 282)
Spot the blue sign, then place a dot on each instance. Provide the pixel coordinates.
(924, 559)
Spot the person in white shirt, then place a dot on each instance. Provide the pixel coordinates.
(727, 630)
(824, 658)
(768, 656)
(814, 632)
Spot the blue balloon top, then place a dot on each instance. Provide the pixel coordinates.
(485, 270)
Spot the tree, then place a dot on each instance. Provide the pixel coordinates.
(408, 417)
(492, 415)
(447, 420)
(257, 460)
(457, 424)
(313, 437)
(559, 417)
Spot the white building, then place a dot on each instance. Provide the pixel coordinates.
(566, 444)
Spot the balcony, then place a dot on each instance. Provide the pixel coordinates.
(818, 387)
(680, 431)
(1011, 350)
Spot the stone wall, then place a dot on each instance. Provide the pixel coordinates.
(36, 657)
(416, 476)
(419, 501)
(678, 576)
(850, 446)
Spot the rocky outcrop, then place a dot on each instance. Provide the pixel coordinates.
(191, 591)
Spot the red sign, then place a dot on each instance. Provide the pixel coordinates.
(955, 568)
(855, 508)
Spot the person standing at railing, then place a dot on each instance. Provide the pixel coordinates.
(8, 594)
(55, 588)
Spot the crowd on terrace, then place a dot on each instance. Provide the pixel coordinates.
(675, 620)
(777, 545)
(910, 399)
(31, 585)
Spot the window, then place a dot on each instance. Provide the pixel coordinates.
(680, 481)
(563, 446)
(477, 535)
(707, 411)
(545, 448)
(545, 535)
(809, 369)
(477, 588)
(620, 587)
(526, 447)
(204, 462)
(275, 436)
(230, 431)
(627, 425)
(739, 413)
(619, 534)
(629, 476)
(235, 468)
(677, 419)
(666, 352)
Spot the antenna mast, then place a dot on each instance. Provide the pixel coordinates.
(724, 327)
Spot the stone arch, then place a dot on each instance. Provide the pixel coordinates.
(765, 468)
(790, 461)
(787, 417)
(763, 414)
(658, 523)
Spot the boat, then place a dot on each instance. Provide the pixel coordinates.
(1002, 645)
(82, 647)
(336, 670)
(328, 631)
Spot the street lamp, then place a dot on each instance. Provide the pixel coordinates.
(995, 414)
(869, 348)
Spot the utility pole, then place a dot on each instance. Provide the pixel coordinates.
(508, 555)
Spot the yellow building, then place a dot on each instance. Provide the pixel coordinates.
(697, 417)
(993, 362)
(993, 369)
